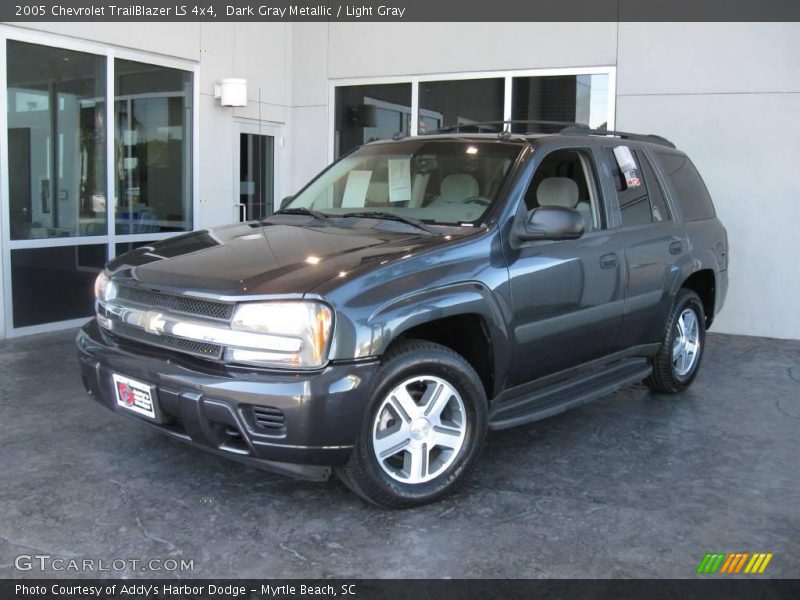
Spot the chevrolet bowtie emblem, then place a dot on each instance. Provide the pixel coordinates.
(152, 322)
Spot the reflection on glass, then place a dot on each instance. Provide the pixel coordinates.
(153, 161)
(255, 175)
(56, 142)
(461, 102)
(370, 112)
(569, 98)
(54, 284)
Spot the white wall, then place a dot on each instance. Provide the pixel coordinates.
(726, 93)
(729, 95)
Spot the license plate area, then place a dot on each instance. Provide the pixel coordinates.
(136, 397)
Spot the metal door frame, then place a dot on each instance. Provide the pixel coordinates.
(255, 127)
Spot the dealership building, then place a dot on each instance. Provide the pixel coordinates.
(115, 136)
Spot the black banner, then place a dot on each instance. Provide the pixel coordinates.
(400, 10)
(460, 589)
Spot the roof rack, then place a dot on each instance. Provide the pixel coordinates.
(504, 126)
(580, 129)
(564, 127)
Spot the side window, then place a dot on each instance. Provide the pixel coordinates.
(566, 178)
(658, 202)
(690, 191)
(634, 201)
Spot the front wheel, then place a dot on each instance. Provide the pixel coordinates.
(423, 431)
(678, 360)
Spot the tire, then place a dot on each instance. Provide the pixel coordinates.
(672, 374)
(427, 417)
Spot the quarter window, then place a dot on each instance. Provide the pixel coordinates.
(690, 191)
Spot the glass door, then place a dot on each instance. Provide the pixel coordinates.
(256, 162)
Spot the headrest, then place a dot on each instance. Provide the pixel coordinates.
(557, 191)
(459, 187)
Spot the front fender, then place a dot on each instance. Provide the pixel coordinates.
(391, 320)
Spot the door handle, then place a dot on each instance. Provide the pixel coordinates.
(608, 261)
(675, 248)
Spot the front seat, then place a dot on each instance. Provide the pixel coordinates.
(557, 191)
(458, 187)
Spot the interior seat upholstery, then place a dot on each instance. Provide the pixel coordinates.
(563, 191)
(458, 187)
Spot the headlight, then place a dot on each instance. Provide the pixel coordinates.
(304, 325)
(104, 288)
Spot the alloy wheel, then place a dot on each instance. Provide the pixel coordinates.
(686, 344)
(419, 429)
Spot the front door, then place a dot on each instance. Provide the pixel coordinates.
(256, 153)
(567, 295)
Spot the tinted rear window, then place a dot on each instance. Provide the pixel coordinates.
(692, 195)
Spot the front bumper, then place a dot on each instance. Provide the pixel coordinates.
(313, 418)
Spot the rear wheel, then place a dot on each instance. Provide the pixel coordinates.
(423, 431)
(678, 360)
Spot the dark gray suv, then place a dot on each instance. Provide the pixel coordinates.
(416, 293)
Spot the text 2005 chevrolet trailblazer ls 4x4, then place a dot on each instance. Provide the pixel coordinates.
(418, 292)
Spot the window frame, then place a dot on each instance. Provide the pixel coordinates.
(612, 193)
(110, 238)
(507, 76)
(540, 152)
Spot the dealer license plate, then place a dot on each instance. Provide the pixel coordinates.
(135, 396)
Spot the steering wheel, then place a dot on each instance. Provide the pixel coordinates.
(478, 200)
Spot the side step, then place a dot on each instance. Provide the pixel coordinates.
(564, 394)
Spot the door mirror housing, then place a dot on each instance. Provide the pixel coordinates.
(551, 223)
(285, 202)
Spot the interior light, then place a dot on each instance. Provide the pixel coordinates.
(313, 260)
(472, 150)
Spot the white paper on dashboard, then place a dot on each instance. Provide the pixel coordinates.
(399, 179)
(624, 158)
(355, 190)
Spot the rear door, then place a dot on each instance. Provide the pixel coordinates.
(654, 243)
(567, 295)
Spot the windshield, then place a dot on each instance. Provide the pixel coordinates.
(449, 182)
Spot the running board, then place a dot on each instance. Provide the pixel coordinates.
(566, 393)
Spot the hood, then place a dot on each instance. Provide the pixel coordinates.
(283, 255)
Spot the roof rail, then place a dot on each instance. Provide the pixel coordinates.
(651, 138)
(505, 126)
(565, 127)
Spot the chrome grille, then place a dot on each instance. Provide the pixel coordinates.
(138, 334)
(208, 309)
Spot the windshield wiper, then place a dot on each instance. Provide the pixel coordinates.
(302, 211)
(390, 217)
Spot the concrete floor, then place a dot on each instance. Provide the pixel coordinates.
(633, 486)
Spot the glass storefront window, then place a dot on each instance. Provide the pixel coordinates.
(569, 98)
(153, 158)
(370, 112)
(56, 142)
(461, 102)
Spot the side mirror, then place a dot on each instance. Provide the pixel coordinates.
(551, 223)
(285, 202)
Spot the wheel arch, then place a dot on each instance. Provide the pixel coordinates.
(703, 282)
(463, 317)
